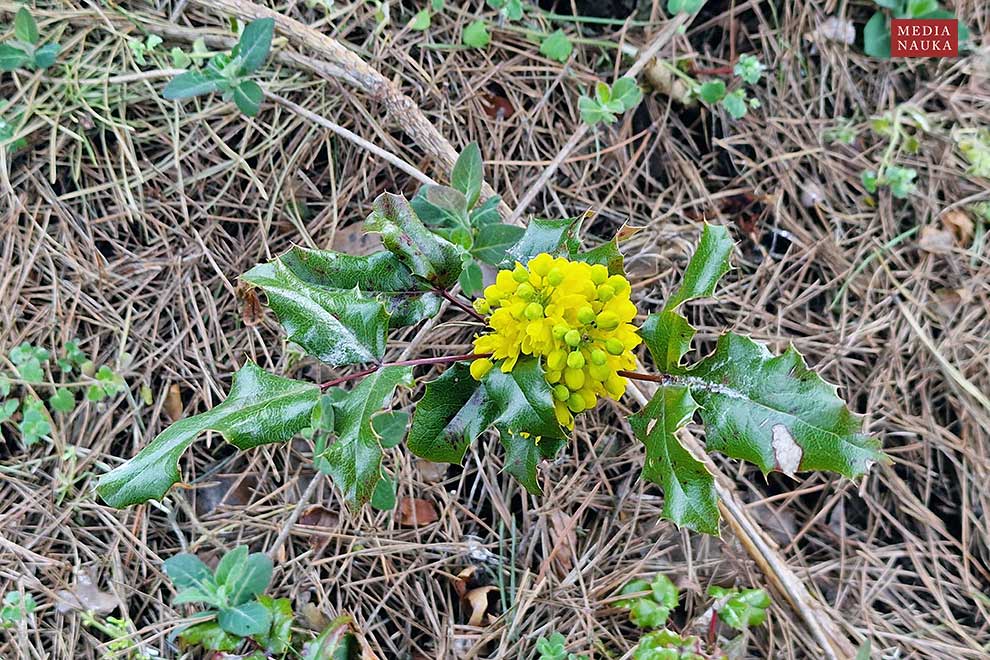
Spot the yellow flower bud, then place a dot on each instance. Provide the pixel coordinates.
(555, 276)
(534, 311)
(576, 402)
(480, 368)
(607, 321)
(586, 315)
(598, 356)
(599, 274)
(553, 376)
(574, 378)
(605, 292)
(481, 306)
(557, 360)
(561, 393)
(526, 291)
(572, 338)
(614, 346)
(575, 360)
(520, 274)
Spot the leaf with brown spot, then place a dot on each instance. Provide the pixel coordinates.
(414, 512)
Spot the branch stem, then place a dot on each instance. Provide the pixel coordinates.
(663, 379)
(443, 359)
(454, 300)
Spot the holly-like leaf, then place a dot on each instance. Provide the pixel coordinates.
(776, 413)
(251, 618)
(354, 459)
(688, 488)
(522, 401)
(493, 241)
(550, 236)
(522, 455)
(607, 254)
(382, 274)
(261, 408)
(468, 173)
(336, 326)
(668, 336)
(453, 412)
(425, 254)
(707, 266)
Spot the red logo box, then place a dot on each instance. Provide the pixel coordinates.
(924, 37)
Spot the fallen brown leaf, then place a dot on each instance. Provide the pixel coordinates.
(431, 472)
(173, 402)
(935, 240)
(321, 517)
(85, 596)
(414, 512)
(960, 224)
(252, 311)
(478, 600)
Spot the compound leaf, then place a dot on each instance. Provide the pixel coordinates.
(707, 266)
(776, 413)
(354, 460)
(428, 256)
(689, 498)
(261, 408)
(336, 326)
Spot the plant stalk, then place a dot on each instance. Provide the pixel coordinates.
(443, 359)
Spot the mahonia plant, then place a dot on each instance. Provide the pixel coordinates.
(556, 331)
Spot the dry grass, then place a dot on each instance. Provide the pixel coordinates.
(127, 221)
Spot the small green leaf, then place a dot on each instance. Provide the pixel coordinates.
(253, 579)
(735, 104)
(45, 56)
(593, 112)
(336, 326)
(277, 639)
(550, 236)
(186, 570)
(421, 21)
(454, 410)
(740, 609)
(869, 179)
(665, 591)
(354, 460)
(468, 174)
(335, 642)
(210, 636)
(707, 266)
(12, 58)
(776, 413)
(383, 498)
(63, 400)
(196, 595)
(493, 241)
(255, 42)
(476, 35)
(684, 6)
(712, 91)
(428, 256)
(189, 84)
(876, 36)
(441, 206)
(900, 180)
(322, 417)
(8, 408)
(486, 213)
(25, 29)
(231, 566)
(390, 427)
(31, 371)
(247, 97)
(34, 424)
(749, 68)
(688, 488)
(668, 335)
(261, 408)
(557, 46)
(626, 92)
(471, 278)
(247, 619)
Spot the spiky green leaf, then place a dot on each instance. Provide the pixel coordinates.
(549, 236)
(707, 266)
(668, 336)
(454, 410)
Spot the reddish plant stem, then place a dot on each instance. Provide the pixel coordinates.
(443, 359)
(653, 378)
(460, 303)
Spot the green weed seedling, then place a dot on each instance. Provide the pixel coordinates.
(653, 603)
(876, 32)
(554, 648)
(16, 608)
(141, 47)
(230, 73)
(740, 609)
(609, 102)
(26, 49)
(737, 103)
(901, 129)
(120, 632)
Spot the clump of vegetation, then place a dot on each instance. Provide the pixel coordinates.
(555, 648)
(610, 101)
(26, 49)
(16, 607)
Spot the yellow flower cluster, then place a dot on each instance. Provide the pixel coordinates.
(571, 315)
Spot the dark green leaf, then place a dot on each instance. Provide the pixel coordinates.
(390, 426)
(776, 413)
(25, 29)
(338, 327)
(486, 213)
(740, 609)
(707, 266)
(335, 642)
(521, 458)
(381, 273)
(522, 401)
(427, 255)
(261, 408)
(354, 460)
(383, 498)
(256, 41)
(471, 278)
(876, 36)
(606, 254)
(688, 488)
(231, 566)
(186, 570)
(12, 58)
(454, 410)
(247, 619)
(468, 173)
(45, 56)
(712, 91)
(247, 97)
(189, 84)
(493, 240)
(278, 637)
(540, 236)
(441, 206)
(668, 336)
(210, 636)
(322, 417)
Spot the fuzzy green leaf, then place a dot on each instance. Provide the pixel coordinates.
(425, 254)
(189, 84)
(668, 336)
(468, 173)
(688, 488)
(336, 326)
(441, 206)
(261, 408)
(354, 459)
(210, 636)
(12, 58)
(25, 29)
(255, 42)
(454, 410)
(187, 571)
(493, 241)
(471, 278)
(251, 618)
(549, 236)
(382, 274)
(249, 576)
(248, 96)
(776, 413)
(707, 266)
(45, 56)
(278, 637)
(486, 213)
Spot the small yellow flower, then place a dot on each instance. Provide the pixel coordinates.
(573, 316)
